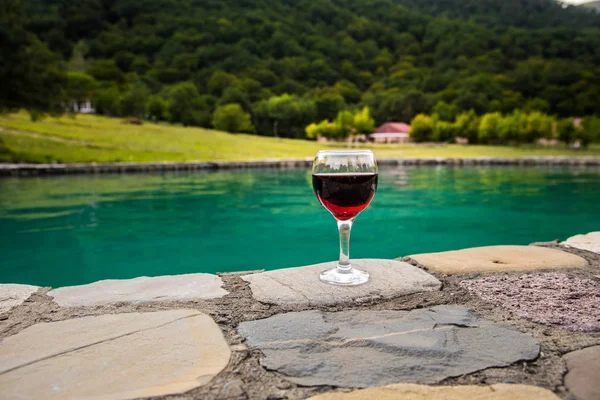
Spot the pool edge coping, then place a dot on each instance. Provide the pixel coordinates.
(24, 169)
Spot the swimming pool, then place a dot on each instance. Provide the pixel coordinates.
(67, 230)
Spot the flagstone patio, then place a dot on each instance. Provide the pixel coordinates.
(494, 323)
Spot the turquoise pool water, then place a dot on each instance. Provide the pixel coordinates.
(77, 229)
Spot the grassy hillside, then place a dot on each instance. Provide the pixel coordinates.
(89, 138)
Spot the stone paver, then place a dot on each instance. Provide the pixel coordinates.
(408, 391)
(141, 290)
(497, 259)
(118, 356)
(589, 242)
(12, 295)
(584, 373)
(554, 298)
(301, 286)
(372, 348)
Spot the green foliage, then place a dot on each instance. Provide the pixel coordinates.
(108, 101)
(156, 108)
(31, 76)
(511, 126)
(566, 130)
(232, 118)
(539, 126)
(590, 132)
(422, 128)
(186, 105)
(346, 124)
(444, 131)
(80, 87)
(489, 128)
(328, 105)
(106, 70)
(399, 58)
(467, 126)
(444, 111)
(399, 106)
(134, 101)
(219, 81)
(363, 123)
(324, 128)
(285, 115)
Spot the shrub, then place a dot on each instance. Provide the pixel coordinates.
(489, 127)
(467, 126)
(232, 118)
(421, 128)
(156, 108)
(444, 131)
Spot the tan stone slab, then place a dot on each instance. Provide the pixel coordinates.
(499, 259)
(119, 356)
(589, 242)
(407, 391)
(301, 285)
(584, 373)
(12, 295)
(141, 290)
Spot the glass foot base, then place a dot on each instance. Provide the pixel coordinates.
(348, 277)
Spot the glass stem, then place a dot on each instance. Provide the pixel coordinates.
(344, 227)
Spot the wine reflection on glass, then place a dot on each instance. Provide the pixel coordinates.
(344, 181)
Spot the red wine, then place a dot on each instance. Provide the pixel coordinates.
(345, 195)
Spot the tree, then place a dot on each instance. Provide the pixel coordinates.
(511, 126)
(106, 70)
(31, 76)
(232, 118)
(344, 123)
(328, 105)
(566, 130)
(363, 123)
(400, 106)
(156, 108)
(186, 106)
(421, 128)
(134, 101)
(324, 129)
(234, 94)
(467, 126)
(444, 111)
(539, 125)
(107, 101)
(444, 131)
(489, 127)
(285, 115)
(80, 87)
(591, 126)
(219, 81)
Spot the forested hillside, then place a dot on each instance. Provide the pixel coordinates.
(288, 63)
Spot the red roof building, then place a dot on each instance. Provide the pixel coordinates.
(391, 132)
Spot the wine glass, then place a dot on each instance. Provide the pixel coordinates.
(344, 182)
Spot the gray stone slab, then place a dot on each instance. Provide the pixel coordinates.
(301, 286)
(141, 290)
(118, 356)
(584, 373)
(589, 242)
(373, 348)
(12, 295)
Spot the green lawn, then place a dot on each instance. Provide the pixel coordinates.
(88, 138)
